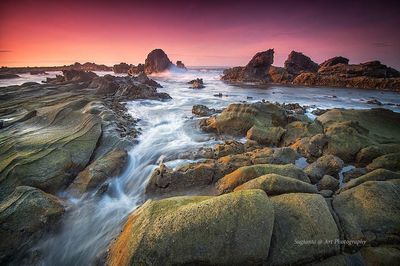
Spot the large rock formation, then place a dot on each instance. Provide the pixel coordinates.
(299, 69)
(157, 61)
(297, 63)
(231, 229)
(121, 68)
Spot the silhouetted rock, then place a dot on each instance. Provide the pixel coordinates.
(121, 68)
(256, 70)
(297, 63)
(180, 64)
(157, 61)
(334, 61)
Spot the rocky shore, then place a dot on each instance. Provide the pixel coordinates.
(261, 207)
(299, 69)
(280, 189)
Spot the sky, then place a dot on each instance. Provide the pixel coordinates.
(200, 33)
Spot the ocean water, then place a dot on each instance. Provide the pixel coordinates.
(169, 130)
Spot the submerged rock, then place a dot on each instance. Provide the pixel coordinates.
(25, 216)
(192, 230)
(202, 110)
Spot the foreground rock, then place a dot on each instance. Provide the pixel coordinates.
(299, 69)
(231, 229)
(25, 216)
(274, 184)
(246, 173)
(300, 220)
(370, 211)
(325, 165)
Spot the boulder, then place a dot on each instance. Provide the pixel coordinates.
(274, 184)
(247, 173)
(98, 172)
(181, 65)
(298, 62)
(311, 147)
(197, 83)
(157, 61)
(297, 130)
(202, 110)
(25, 216)
(381, 255)
(375, 175)
(325, 165)
(121, 68)
(334, 61)
(237, 119)
(231, 229)
(265, 135)
(353, 173)
(366, 155)
(301, 221)
(370, 211)
(328, 182)
(389, 161)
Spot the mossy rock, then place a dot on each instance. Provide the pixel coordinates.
(232, 229)
(237, 119)
(297, 130)
(375, 175)
(25, 215)
(274, 184)
(389, 161)
(370, 211)
(301, 220)
(325, 165)
(368, 154)
(247, 173)
(265, 135)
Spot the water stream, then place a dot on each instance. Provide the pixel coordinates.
(169, 129)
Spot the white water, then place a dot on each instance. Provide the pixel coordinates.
(169, 130)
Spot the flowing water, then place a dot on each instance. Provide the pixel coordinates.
(168, 130)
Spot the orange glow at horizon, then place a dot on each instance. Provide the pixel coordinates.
(53, 33)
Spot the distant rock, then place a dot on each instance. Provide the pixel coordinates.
(135, 70)
(9, 76)
(180, 64)
(197, 83)
(37, 72)
(334, 61)
(298, 62)
(256, 70)
(121, 68)
(157, 61)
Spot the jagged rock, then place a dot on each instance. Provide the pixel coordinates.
(136, 70)
(180, 64)
(370, 212)
(121, 68)
(202, 110)
(247, 173)
(256, 70)
(325, 165)
(197, 83)
(298, 62)
(97, 172)
(307, 218)
(279, 75)
(192, 230)
(274, 184)
(157, 61)
(25, 216)
(144, 79)
(334, 61)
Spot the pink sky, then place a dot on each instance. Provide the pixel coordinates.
(219, 33)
